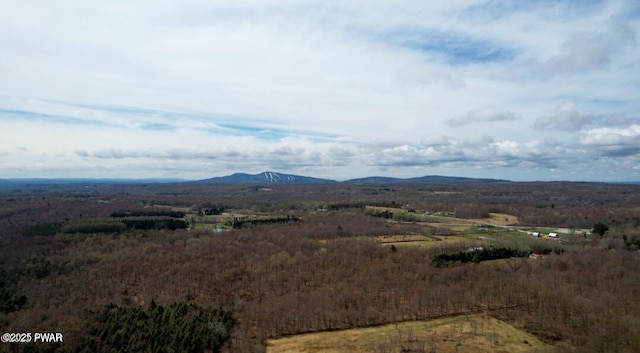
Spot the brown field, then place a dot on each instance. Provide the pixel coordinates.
(474, 333)
(497, 219)
(422, 241)
(384, 239)
(454, 224)
(500, 219)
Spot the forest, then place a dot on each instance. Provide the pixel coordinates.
(225, 268)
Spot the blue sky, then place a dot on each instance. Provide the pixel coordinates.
(520, 90)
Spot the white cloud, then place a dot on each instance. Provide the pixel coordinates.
(589, 50)
(485, 153)
(581, 53)
(421, 75)
(613, 141)
(566, 118)
(437, 141)
(486, 115)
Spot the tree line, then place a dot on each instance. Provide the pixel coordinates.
(117, 222)
(123, 224)
(477, 255)
(239, 222)
(154, 213)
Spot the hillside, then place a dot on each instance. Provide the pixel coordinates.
(281, 178)
(265, 178)
(422, 180)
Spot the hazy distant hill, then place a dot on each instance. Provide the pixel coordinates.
(421, 180)
(244, 178)
(35, 183)
(280, 178)
(265, 178)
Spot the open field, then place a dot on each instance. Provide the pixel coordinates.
(466, 232)
(427, 242)
(499, 219)
(473, 333)
(459, 224)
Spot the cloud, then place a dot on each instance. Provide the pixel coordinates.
(566, 118)
(486, 115)
(406, 155)
(422, 75)
(615, 142)
(289, 154)
(581, 53)
(112, 116)
(586, 51)
(485, 153)
(437, 141)
(173, 154)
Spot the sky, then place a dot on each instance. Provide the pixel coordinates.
(517, 90)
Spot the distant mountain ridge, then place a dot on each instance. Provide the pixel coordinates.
(266, 178)
(281, 178)
(423, 179)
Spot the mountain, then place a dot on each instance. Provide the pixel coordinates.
(375, 180)
(265, 178)
(423, 180)
(243, 178)
(280, 178)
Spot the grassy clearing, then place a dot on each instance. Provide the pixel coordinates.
(500, 219)
(497, 219)
(424, 242)
(474, 333)
(384, 239)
